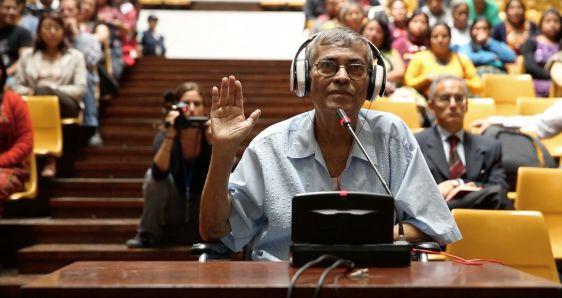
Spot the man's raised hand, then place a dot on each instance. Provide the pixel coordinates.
(229, 125)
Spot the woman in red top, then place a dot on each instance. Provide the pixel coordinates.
(16, 141)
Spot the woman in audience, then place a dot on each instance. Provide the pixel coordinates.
(352, 16)
(417, 38)
(399, 15)
(440, 59)
(516, 29)
(53, 68)
(486, 53)
(538, 50)
(16, 141)
(378, 33)
(460, 32)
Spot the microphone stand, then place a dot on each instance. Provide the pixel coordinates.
(346, 122)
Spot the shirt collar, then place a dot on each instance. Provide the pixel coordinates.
(445, 134)
(304, 144)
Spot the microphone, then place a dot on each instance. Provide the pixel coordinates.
(346, 122)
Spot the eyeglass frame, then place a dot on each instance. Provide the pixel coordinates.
(366, 74)
(445, 99)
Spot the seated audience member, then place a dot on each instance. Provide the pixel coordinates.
(440, 59)
(483, 8)
(466, 167)
(53, 68)
(399, 18)
(90, 47)
(417, 38)
(314, 9)
(332, 19)
(437, 12)
(14, 40)
(352, 16)
(312, 152)
(377, 32)
(107, 36)
(545, 125)
(16, 141)
(486, 53)
(516, 29)
(152, 42)
(26, 20)
(130, 10)
(460, 31)
(172, 186)
(538, 50)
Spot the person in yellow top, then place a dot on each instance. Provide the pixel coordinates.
(439, 59)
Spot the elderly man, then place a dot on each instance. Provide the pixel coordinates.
(466, 167)
(312, 152)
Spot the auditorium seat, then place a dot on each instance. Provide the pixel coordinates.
(30, 191)
(505, 89)
(478, 108)
(47, 127)
(540, 189)
(405, 108)
(528, 106)
(518, 239)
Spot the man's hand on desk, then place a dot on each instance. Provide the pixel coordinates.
(228, 123)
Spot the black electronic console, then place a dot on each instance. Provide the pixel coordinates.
(356, 226)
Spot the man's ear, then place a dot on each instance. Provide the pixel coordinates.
(431, 105)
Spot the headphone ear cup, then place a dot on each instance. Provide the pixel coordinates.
(377, 82)
(301, 78)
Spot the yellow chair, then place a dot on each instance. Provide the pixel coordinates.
(405, 108)
(47, 127)
(531, 106)
(30, 190)
(541, 189)
(518, 239)
(505, 89)
(478, 108)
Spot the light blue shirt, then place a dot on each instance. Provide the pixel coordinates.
(285, 160)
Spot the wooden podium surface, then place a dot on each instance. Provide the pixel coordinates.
(271, 279)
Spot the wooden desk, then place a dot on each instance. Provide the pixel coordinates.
(271, 279)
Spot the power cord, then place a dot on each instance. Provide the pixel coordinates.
(336, 263)
(347, 263)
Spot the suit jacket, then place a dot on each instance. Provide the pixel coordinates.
(483, 157)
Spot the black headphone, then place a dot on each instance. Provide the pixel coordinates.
(300, 72)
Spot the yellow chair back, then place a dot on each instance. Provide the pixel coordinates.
(540, 189)
(505, 89)
(405, 108)
(30, 190)
(519, 239)
(478, 108)
(529, 106)
(47, 127)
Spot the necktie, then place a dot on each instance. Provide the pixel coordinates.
(456, 168)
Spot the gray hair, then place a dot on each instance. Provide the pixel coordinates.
(343, 36)
(446, 77)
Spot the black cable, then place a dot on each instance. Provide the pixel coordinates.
(349, 264)
(295, 277)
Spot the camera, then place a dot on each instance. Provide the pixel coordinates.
(181, 122)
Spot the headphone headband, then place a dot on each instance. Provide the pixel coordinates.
(300, 71)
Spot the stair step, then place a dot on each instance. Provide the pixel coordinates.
(11, 281)
(111, 153)
(111, 168)
(95, 187)
(80, 207)
(75, 230)
(45, 258)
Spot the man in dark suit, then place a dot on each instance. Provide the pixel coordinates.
(466, 167)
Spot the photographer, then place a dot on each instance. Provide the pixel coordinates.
(172, 186)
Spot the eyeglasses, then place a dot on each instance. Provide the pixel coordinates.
(445, 99)
(355, 71)
(51, 27)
